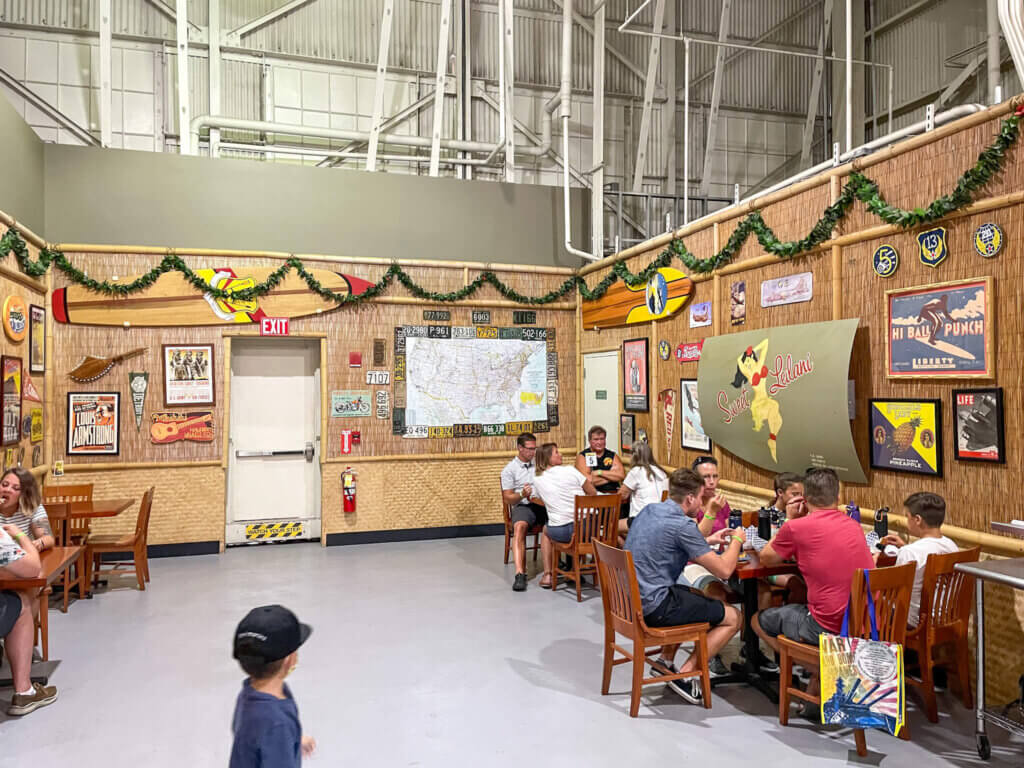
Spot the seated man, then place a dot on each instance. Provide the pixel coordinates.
(663, 539)
(601, 466)
(828, 547)
(926, 512)
(516, 489)
(19, 558)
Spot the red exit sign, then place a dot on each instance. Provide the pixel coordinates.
(273, 326)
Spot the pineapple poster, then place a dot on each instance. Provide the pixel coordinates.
(777, 397)
(906, 436)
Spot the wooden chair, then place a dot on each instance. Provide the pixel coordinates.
(947, 600)
(891, 589)
(77, 528)
(134, 543)
(597, 519)
(623, 613)
(535, 531)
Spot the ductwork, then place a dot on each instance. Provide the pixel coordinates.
(1011, 19)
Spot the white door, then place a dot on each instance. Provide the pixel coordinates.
(274, 441)
(601, 394)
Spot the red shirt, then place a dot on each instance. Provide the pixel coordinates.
(828, 547)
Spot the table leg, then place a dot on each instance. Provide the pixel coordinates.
(979, 591)
(83, 576)
(747, 672)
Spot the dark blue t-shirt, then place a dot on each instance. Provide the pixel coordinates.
(267, 730)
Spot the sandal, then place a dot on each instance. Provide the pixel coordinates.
(545, 581)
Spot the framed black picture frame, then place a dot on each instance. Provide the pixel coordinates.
(36, 338)
(94, 424)
(627, 431)
(189, 373)
(635, 376)
(905, 435)
(978, 425)
(691, 430)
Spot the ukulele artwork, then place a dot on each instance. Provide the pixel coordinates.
(170, 426)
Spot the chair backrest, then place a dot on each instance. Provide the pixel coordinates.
(891, 589)
(620, 593)
(142, 522)
(947, 595)
(57, 512)
(597, 519)
(69, 493)
(664, 495)
(506, 509)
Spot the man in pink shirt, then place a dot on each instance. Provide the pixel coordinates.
(828, 547)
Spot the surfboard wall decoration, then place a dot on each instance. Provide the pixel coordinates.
(665, 293)
(173, 301)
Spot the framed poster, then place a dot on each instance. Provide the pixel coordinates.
(627, 429)
(978, 425)
(738, 303)
(692, 433)
(36, 338)
(635, 375)
(906, 436)
(11, 399)
(700, 314)
(943, 330)
(188, 374)
(787, 290)
(94, 423)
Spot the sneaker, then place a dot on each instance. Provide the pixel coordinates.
(519, 585)
(717, 667)
(764, 664)
(809, 711)
(687, 687)
(22, 704)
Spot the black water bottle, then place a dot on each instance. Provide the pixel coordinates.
(764, 523)
(882, 522)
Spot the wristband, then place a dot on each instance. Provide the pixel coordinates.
(710, 515)
(737, 538)
(20, 535)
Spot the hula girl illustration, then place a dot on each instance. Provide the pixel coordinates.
(750, 367)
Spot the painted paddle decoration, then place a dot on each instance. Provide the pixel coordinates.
(172, 301)
(664, 294)
(92, 368)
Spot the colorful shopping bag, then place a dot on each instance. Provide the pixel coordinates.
(862, 682)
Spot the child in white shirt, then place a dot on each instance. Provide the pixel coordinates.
(645, 483)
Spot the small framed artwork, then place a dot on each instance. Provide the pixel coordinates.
(188, 374)
(692, 433)
(627, 430)
(943, 330)
(978, 425)
(94, 423)
(36, 338)
(635, 375)
(906, 436)
(11, 399)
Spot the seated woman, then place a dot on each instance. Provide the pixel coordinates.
(557, 485)
(645, 484)
(21, 506)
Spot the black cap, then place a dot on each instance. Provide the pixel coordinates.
(269, 633)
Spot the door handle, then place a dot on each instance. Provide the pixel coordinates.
(307, 452)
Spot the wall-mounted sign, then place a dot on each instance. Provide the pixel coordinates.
(94, 423)
(664, 294)
(524, 317)
(381, 403)
(36, 427)
(173, 301)
(776, 397)
(436, 316)
(601, 394)
(171, 426)
(138, 383)
(885, 261)
(378, 377)
(481, 317)
(11, 398)
(988, 240)
(692, 432)
(635, 375)
(627, 429)
(978, 425)
(738, 303)
(15, 318)
(906, 436)
(664, 350)
(355, 359)
(273, 326)
(700, 314)
(29, 391)
(689, 352)
(667, 398)
(36, 338)
(793, 289)
(942, 330)
(933, 246)
(351, 403)
(380, 351)
(188, 374)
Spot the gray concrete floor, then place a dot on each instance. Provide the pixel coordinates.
(421, 655)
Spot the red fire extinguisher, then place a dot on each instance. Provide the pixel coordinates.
(348, 489)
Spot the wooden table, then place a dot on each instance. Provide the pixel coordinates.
(749, 573)
(99, 508)
(55, 561)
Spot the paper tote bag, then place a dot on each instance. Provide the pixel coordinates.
(862, 680)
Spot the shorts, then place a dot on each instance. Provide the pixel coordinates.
(531, 514)
(560, 533)
(794, 621)
(699, 577)
(682, 606)
(10, 610)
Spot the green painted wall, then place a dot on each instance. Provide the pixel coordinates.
(21, 159)
(149, 198)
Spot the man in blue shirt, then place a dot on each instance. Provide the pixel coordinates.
(663, 540)
(266, 722)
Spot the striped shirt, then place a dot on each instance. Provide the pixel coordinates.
(25, 523)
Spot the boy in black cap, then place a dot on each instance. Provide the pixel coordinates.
(266, 722)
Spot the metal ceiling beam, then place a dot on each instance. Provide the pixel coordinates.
(668, 110)
(106, 119)
(378, 91)
(653, 61)
(716, 97)
(251, 26)
(352, 148)
(906, 13)
(213, 63)
(969, 72)
(819, 71)
(439, 81)
(184, 114)
(169, 12)
(597, 136)
(49, 110)
(506, 29)
(614, 52)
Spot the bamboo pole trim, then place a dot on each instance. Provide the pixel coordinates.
(27, 233)
(118, 467)
(23, 279)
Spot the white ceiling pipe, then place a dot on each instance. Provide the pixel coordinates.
(290, 149)
(1011, 19)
